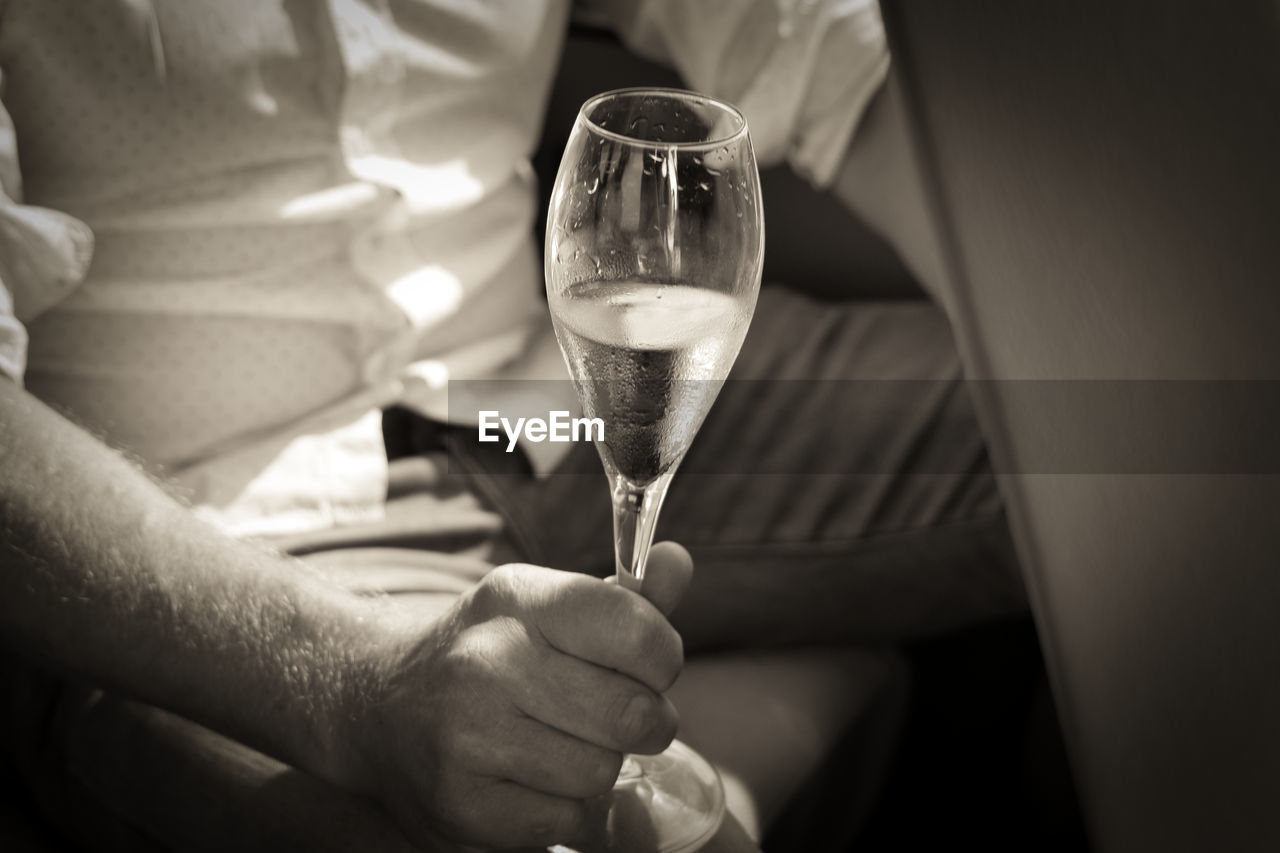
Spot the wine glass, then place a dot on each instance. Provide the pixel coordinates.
(655, 240)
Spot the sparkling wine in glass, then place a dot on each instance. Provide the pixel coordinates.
(655, 240)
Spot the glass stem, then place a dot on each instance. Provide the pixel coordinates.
(635, 518)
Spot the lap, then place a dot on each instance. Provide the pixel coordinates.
(841, 421)
(844, 445)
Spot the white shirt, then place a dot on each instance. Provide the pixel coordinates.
(299, 214)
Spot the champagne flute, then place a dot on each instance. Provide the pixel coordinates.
(655, 240)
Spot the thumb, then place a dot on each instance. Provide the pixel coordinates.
(666, 575)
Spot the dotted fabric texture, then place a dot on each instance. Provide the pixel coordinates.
(300, 212)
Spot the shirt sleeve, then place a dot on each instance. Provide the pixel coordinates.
(44, 255)
(802, 71)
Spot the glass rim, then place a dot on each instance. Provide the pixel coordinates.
(675, 94)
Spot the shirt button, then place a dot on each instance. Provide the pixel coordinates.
(354, 141)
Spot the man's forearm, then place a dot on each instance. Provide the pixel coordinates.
(104, 576)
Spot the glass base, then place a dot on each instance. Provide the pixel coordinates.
(667, 803)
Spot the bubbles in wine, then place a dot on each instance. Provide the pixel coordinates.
(649, 359)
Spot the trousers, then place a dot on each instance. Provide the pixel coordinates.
(837, 500)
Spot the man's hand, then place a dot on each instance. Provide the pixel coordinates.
(504, 715)
(489, 724)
